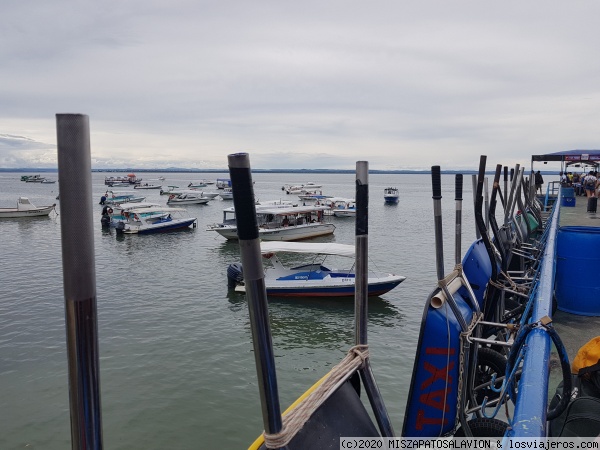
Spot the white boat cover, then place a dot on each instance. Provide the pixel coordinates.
(305, 247)
(135, 205)
(291, 210)
(152, 209)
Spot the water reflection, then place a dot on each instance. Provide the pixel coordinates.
(318, 322)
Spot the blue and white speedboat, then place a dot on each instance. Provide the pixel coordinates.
(155, 219)
(116, 198)
(314, 279)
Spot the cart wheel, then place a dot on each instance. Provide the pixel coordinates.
(489, 362)
(484, 427)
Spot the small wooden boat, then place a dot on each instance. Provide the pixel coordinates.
(25, 209)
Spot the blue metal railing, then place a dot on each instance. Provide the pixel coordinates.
(532, 402)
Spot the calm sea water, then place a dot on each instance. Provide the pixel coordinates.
(176, 358)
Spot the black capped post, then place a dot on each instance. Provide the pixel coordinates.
(79, 279)
(256, 293)
(436, 185)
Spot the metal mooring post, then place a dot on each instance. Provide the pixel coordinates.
(79, 279)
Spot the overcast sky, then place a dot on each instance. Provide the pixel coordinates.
(304, 84)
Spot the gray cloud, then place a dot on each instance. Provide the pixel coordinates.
(408, 84)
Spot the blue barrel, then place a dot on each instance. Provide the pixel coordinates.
(577, 281)
(567, 192)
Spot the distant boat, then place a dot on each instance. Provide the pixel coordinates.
(122, 181)
(147, 186)
(187, 198)
(47, 181)
(115, 198)
(196, 184)
(300, 188)
(32, 178)
(25, 209)
(222, 183)
(314, 279)
(391, 195)
(227, 194)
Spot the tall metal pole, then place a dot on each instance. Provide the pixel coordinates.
(79, 278)
(458, 188)
(474, 181)
(362, 245)
(362, 295)
(436, 184)
(256, 292)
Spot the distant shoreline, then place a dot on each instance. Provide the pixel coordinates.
(304, 171)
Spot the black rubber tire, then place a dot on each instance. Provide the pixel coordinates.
(489, 362)
(484, 427)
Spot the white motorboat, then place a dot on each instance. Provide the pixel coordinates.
(391, 195)
(227, 194)
(147, 186)
(33, 178)
(345, 208)
(222, 183)
(116, 198)
(155, 219)
(120, 213)
(209, 195)
(188, 198)
(47, 181)
(339, 206)
(313, 279)
(25, 209)
(313, 196)
(196, 184)
(300, 188)
(280, 223)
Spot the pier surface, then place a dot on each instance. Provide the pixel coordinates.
(575, 330)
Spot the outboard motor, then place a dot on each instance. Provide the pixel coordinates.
(105, 220)
(235, 275)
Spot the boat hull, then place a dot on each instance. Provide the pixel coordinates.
(14, 213)
(158, 228)
(374, 289)
(198, 201)
(282, 233)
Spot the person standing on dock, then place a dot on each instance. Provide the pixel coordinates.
(539, 180)
(589, 184)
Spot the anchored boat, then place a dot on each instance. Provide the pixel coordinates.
(314, 279)
(391, 195)
(277, 223)
(25, 209)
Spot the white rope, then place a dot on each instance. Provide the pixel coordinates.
(295, 419)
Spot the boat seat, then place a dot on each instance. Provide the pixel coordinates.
(342, 414)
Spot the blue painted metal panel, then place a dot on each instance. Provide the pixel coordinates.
(431, 406)
(477, 269)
